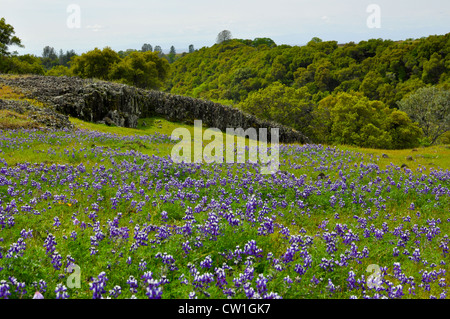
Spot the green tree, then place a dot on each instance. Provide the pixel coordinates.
(23, 64)
(95, 64)
(353, 119)
(264, 41)
(430, 107)
(282, 104)
(191, 48)
(7, 38)
(433, 69)
(64, 58)
(172, 54)
(141, 69)
(369, 86)
(49, 57)
(404, 133)
(58, 70)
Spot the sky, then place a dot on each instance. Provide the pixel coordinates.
(83, 25)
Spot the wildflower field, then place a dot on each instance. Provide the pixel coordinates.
(103, 212)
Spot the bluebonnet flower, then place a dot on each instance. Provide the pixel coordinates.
(57, 222)
(4, 289)
(17, 249)
(192, 295)
(351, 280)
(202, 281)
(167, 259)
(395, 252)
(416, 255)
(261, 284)
(61, 291)
(164, 216)
(56, 260)
(40, 286)
(207, 263)
(133, 283)
(98, 286)
(250, 248)
(220, 277)
(26, 234)
(50, 244)
(288, 281)
(288, 256)
(183, 280)
(186, 247)
(142, 265)
(153, 289)
(331, 287)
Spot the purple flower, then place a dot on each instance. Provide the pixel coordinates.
(4, 289)
(61, 291)
(115, 292)
(133, 283)
(98, 286)
(331, 287)
(207, 263)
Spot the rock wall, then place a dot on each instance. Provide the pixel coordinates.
(123, 105)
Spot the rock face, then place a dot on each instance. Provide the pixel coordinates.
(43, 116)
(123, 105)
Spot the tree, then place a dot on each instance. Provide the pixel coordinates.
(95, 64)
(433, 69)
(158, 50)
(264, 41)
(59, 70)
(430, 107)
(146, 47)
(7, 38)
(369, 86)
(191, 48)
(172, 54)
(23, 64)
(224, 35)
(141, 69)
(64, 58)
(282, 104)
(353, 119)
(49, 57)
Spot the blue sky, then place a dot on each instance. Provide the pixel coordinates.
(129, 24)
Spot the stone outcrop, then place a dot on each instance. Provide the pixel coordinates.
(123, 105)
(42, 116)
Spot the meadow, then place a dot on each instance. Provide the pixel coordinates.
(103, 212)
